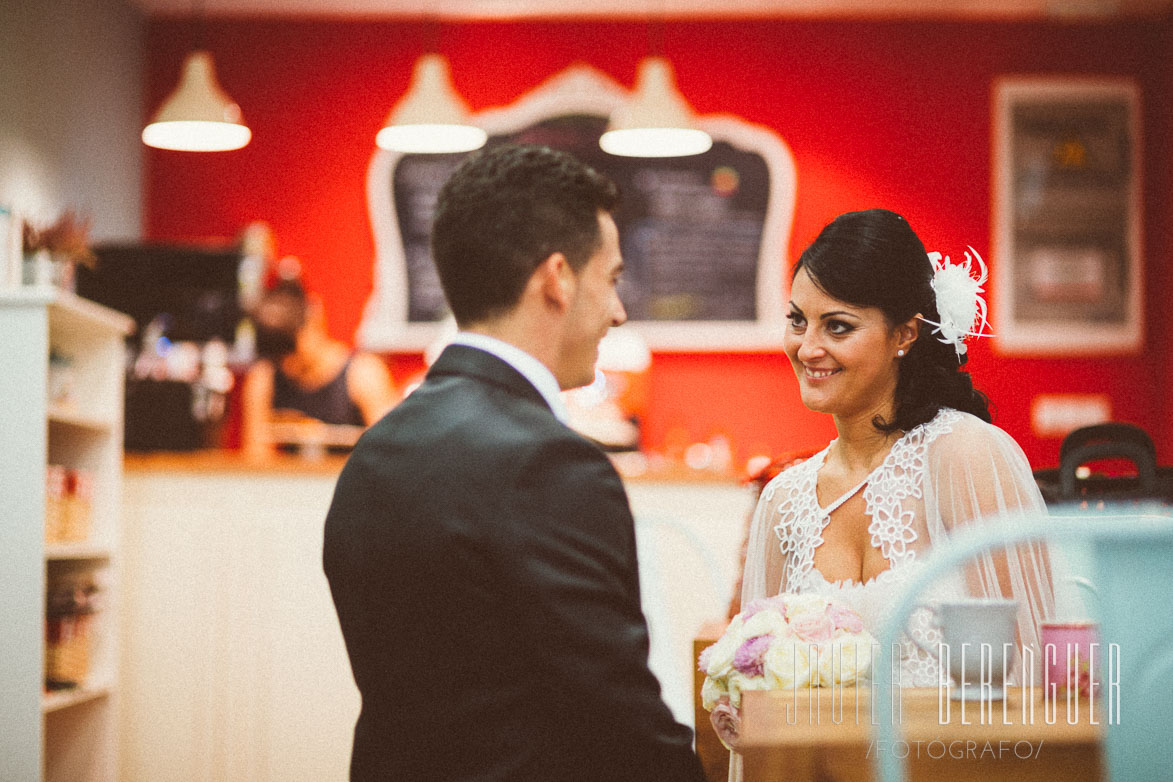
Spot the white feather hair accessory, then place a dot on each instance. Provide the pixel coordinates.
(959, 299)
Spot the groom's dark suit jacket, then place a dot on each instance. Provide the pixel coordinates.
(481, 557)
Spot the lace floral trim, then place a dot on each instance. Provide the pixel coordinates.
(801, 521)
(901, 478)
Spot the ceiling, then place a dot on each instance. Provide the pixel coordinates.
(645, 9)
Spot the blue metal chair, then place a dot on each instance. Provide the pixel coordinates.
(1132, 558)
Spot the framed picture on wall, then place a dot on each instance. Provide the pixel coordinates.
(1067, 270)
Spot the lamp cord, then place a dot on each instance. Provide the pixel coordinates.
(431, 34)
(656, 36)
(197, 34)
(656, 24)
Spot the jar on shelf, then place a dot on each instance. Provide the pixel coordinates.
(62, 379)
(56, 494)
(78, 506)
(70, 609)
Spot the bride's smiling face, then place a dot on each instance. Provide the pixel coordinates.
(844, 356)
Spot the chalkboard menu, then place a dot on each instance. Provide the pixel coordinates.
(415, 188)
(690, 228)
(701, 236)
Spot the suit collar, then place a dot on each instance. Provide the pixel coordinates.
(484, 366)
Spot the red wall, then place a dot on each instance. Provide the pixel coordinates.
(877, 114)
(1160, 267)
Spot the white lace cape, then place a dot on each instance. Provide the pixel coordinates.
(952, 471)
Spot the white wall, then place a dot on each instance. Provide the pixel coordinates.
(71, 75)
(234, 667)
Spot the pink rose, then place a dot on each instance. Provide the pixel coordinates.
(726, 722)
(813, 629)
(775, 603)
(748, 659)
(844, 618)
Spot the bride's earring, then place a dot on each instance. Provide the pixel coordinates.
(900, 352)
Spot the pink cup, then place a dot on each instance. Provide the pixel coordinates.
(1070, 650)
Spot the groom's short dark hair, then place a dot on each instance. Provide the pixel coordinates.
(504, 211)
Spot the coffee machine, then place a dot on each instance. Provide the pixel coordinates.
(188, 302)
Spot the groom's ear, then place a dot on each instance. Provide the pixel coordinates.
(555, 280)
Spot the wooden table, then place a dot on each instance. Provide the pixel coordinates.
(712, 753)
(794, 736)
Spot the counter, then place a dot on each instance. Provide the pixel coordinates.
(230, 462)
(234, 665)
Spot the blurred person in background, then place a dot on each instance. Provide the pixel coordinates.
(303, 373)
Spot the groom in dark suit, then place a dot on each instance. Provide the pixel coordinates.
(481, 555)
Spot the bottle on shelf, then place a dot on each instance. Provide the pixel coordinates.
(71, 607)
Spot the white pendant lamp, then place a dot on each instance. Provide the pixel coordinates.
(657, 121)
(198, 116)
(431, 117)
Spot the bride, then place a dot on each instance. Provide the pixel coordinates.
(877, 340)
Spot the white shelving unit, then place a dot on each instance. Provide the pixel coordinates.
(69, 734)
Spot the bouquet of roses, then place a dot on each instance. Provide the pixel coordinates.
(781, 643)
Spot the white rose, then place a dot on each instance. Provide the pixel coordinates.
(787, 665)
(720, 659)
(799, 605)
(712, 691)
(765, 622)
(739, 683)
(845, 660)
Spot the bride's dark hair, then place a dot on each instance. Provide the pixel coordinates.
(873, 258)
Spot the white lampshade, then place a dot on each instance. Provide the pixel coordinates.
(430, 117)
(657, 121)
(198, 116)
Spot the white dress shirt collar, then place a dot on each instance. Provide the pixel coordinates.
(537, 373)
